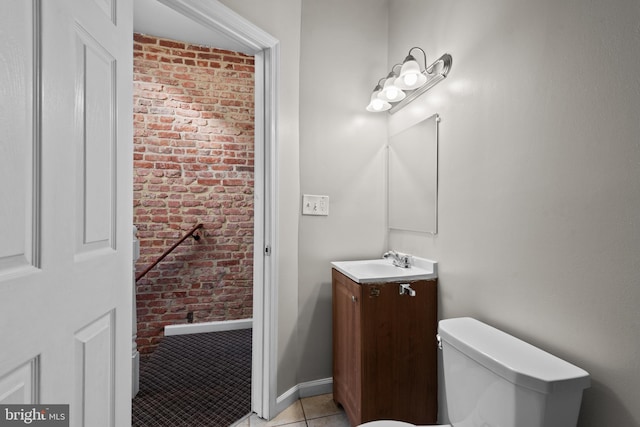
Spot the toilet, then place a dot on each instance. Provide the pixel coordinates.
(493, 379)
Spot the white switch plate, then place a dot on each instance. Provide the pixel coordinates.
(315, 205)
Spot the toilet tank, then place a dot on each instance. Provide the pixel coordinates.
(494, 379)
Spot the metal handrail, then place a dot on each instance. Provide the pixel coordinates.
(168, 251)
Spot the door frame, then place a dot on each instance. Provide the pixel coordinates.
(266, 49)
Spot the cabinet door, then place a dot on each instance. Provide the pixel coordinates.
(346, 345)
(399, 353)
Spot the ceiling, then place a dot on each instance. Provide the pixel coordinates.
(154, 18)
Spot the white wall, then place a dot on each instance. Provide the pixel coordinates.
(539, 225)
(332, 53)
(281, 19)
(539, 219)
(343, 53)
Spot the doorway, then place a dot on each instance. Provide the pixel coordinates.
(210, 20)
(193, 166)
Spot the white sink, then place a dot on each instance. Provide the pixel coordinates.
(383, 270)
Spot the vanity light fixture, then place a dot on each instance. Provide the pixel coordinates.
(399, 90)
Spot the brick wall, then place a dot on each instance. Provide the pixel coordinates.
(193, 163)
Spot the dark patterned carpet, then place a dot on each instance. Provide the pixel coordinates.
(197, 380)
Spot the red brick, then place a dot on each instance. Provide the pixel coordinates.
(171, 43)
(180, 178)
(141, 38)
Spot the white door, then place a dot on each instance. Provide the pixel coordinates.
(65, 207)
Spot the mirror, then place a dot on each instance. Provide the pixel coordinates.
(412, 170)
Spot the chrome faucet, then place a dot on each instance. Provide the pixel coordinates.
(399, 259)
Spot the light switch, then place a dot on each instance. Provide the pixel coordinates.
(315, 205)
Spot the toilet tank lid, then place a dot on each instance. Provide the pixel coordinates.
(513, 359)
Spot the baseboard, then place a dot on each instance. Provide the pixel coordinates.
(307, 389)
(198, 328)
(135, 374)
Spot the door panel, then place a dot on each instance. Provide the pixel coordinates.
(94, 350)
(108, 7)
(20, 385)
(95, 126)
(20, 146)
(66, 206)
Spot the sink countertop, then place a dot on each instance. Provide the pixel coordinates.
(382, 270)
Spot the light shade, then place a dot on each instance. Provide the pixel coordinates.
(376, 103)
(410, 75)
(390, 92)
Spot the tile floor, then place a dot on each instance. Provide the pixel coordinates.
(316, 411)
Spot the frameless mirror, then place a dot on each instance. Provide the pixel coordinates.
(412, 171)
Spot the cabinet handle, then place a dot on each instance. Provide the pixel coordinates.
(353, 298)
(405, 289)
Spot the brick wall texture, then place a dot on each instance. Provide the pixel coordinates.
(193, 163)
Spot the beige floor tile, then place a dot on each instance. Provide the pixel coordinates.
(241, 423)
(298, 424)
(320, 406)
(259, 422)
(256, 421)
(338, 420)
(293, 416)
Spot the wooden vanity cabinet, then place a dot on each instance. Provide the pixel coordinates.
(385, 350)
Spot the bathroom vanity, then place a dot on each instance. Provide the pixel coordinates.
(384, 341)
